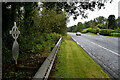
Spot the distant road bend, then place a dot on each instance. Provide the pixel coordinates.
(102, 49)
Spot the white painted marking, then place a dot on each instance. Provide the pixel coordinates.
(73, 39)
(78, 43)
(106, 49)
(101, 47)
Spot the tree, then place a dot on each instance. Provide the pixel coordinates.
(50, 21)
(80, 27)
(100, 20)
(87, 24)
(92, 23)
(111, 22)
(118, 22)
(9, 15)
(76, 8)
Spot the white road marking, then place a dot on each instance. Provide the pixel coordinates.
(106, 49)
(78, 43)
(101, 47)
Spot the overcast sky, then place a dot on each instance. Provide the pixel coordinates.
(111, 9)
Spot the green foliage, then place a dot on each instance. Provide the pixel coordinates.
(39, 32)
(85, 30)
(55, 36)
(118, 22)
(44, 44)
(92, 30)
(115, 34)
(97, 30)
(105, 32)
(112, 22)
(100, 20)
(101, 26)
(74, 8)
(115, 31)
(86, 24)
(76, 28)
(51, 21)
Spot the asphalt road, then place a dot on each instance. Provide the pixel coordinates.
(102, 49)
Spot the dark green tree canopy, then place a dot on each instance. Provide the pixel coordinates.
(112, 22)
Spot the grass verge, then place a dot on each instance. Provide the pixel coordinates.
(74, 62)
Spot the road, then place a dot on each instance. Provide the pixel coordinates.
(102, 49)
(0, 58)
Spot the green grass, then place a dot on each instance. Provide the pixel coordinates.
(90, 33)
(74, 62)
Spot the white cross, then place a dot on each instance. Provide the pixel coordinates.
(15, 49)
(15, 32)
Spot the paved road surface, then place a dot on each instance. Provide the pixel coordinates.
(103, 49)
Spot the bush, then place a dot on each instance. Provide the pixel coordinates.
(115, 34)
(44, 44)
(105, 32)
(55, 36)
(115, 31)
(85, 30)
(112, 31)
(97, 30)
(30, 43)
(92, 30)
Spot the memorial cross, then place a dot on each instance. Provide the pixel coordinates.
(15, 48)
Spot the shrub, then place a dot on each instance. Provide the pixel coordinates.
(97, 30)
(115, 34)
(85, 30)
(92, 30)
(101, 26)
(115, 31)
(112, 31)
(55, 36)
(105, 32)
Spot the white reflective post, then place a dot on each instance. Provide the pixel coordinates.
(15, 48)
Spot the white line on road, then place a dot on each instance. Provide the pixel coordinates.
(106, 49)
(78, 43)
(99, 46)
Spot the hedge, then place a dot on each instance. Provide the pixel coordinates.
(85, 30)
(115, 31)
(115, 34)
(92, 30)
(105, 32)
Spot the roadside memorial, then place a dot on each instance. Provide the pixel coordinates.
(15, 48)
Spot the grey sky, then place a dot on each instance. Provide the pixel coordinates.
(110, 9)
(119, 9)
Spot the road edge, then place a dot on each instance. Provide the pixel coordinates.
(105, 69)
